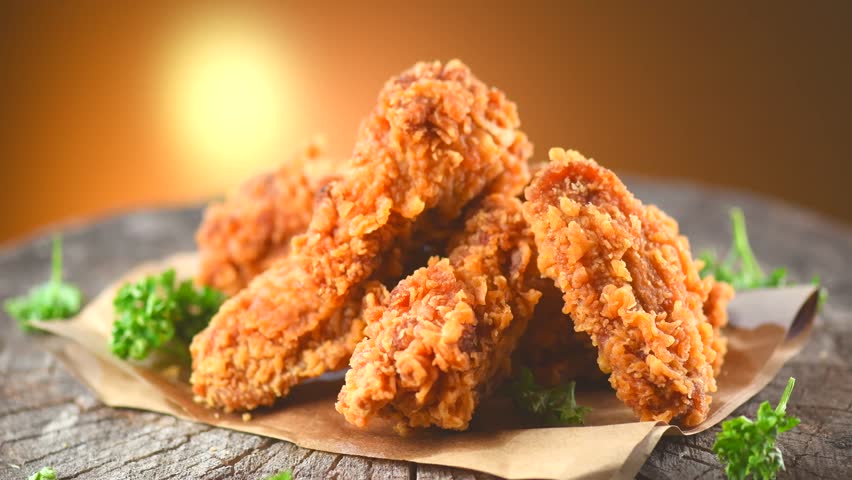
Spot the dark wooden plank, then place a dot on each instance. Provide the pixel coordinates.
(47, 418)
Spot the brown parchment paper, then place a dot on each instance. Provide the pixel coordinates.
(767, 328)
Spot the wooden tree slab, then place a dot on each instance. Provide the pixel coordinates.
(48, 418)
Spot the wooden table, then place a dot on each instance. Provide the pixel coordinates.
(47, 418)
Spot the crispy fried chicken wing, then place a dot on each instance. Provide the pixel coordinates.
(446, 334)
(437, 138)
(241, 237)
(630, 283)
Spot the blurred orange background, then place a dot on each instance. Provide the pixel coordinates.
(115, 105)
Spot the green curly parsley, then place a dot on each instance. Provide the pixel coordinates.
(157, 312)
(51, 300)
(740, 267)
(46, 473)
(748, 447)
(553, 406)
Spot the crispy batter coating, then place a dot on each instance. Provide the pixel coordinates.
(437, 138)
(630, 283)
(447, 332)
(716, 309)
(241, 237)
(557, 354)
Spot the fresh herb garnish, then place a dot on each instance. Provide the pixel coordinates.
(156, 312)
(740, 267)
(46, 473)
(285, 475)
(552, 405)
(51, 300)
(748, 447)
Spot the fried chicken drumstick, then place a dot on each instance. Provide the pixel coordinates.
(239, 238)
(437, 138)
(446, 334)
(630, 283)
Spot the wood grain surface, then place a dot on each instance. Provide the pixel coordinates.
(48, 418)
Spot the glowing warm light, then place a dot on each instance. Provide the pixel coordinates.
(227, 97)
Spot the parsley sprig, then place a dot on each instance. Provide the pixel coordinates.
(552, 405)
(740, 267)
(748, 447)
(157, 312)
(51, 300)
(46, 473)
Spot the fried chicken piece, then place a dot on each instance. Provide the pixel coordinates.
(630, 283)
(557, 354)
(446, 334)
(241, 237)
(716, 310)
(437, 138)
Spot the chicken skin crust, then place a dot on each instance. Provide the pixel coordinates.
(437, 138)
(716, 309)
(240, 237)
(630, 283)
(445, 336)
(557, 354)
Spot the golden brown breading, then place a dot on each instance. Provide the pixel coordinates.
(629, 282)
(240, 237)
(446, 334)
(716, 309)
(437, 138)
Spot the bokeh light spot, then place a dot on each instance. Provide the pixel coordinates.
(227, 96)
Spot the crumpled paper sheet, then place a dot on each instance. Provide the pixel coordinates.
(767, 328)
